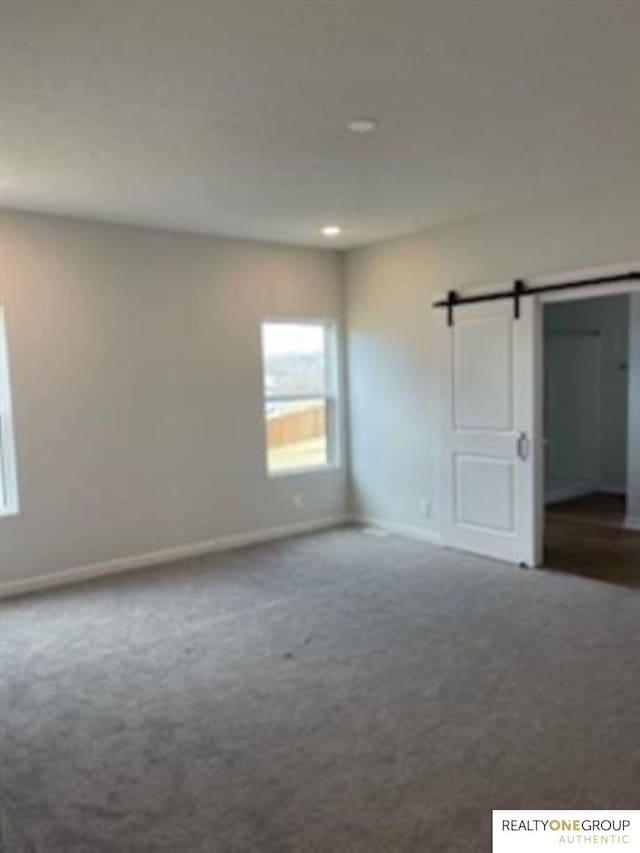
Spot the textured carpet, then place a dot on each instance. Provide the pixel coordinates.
(337, 692)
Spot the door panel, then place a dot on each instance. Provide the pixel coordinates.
(488, 489)
(475, 476)
(483, 385)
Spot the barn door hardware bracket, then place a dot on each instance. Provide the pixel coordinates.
(452, 298)
(519, 289)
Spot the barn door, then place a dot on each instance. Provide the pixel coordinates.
(489, 474)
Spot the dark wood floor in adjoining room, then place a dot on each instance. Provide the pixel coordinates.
(586, 536)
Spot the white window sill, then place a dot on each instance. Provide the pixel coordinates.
(297, 472)
(9, 512)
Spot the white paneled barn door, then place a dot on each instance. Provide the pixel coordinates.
(488, 480)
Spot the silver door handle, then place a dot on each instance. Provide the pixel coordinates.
(522, 447)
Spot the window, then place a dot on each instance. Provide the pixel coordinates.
(8, 486)
(300, 399)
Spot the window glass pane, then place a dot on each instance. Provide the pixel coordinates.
(8, 485)
(294, 358)
(3, 497)
(296, 434)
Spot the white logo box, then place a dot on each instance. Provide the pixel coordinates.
(566, 830)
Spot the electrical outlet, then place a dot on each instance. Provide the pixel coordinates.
(298, 500)
(425, 507)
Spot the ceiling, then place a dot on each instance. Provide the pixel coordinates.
(229, 116)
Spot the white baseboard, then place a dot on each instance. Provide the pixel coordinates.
(569, 491)
(612, 489)
(578, 488)
(410, 531)
(632, 522)
(166, 555)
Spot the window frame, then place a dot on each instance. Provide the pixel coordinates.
(9, 504)
(331, 395)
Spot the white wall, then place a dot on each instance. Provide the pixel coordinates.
(588, 438)
(395, 336)
(136, 371)
(633, 494)
(136, 379)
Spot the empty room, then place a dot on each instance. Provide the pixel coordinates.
(319, 426)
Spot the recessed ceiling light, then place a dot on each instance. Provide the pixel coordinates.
(362, 125)
(331, 230)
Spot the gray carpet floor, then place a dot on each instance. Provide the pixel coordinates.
(333, 692)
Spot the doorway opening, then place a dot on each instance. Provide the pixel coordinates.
(591, 356)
